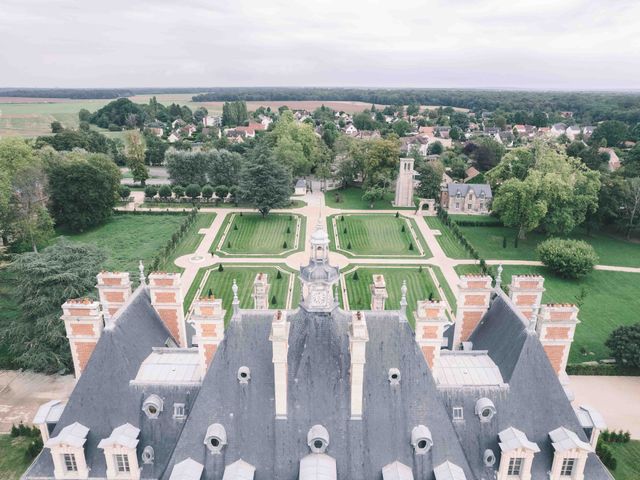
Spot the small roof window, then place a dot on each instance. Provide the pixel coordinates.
(216, 438)
(152, 406)
(485, 409)
(318, 439)
(421, 439)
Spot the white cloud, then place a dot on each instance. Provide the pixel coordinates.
(464, 43)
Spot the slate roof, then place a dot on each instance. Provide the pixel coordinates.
(478, 188)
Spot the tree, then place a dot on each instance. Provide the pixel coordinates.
(430, 177)
(436, 148)
(56, 127)
(630, 211)
(135, 153)
(381, 160)
(520, 203)
(265, 183)
(631, 163)
(567, 258)
(515, 164)
(156, 148)
(185, 168)
(44, 281)
(223, 167)
(199, 114)
(124, 192)
(164, 192)
(178, 191)
(193, 191)
(373, 194)
(83, 189)
(486, 152)
(150, 191)
(363, 121)
(330, 134)
(613, 131)
(207, 191)
(624, 343)
(221, 191)
(295, 145)
(401, 127)
(234, 114)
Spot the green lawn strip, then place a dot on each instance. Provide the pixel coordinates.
(419, 285)
(475, 218)
(489, 243)
(189, 205)
(256, 235)
(13, 459)
(451, 298)
(628, 458)
(448, 242)
(130, 238)
(611, 300)
(377, 235)
(351, 199)
(189, 242)
(193, 289)
(220, 284)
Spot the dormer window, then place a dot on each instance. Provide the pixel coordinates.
(515, 466)
(458, 413)
(318, 439)
(568, 465)
(216, 438)
(121, 462)
(421, 439)
(152, 406)
(69, 462)
(178, 411)
(485, 409)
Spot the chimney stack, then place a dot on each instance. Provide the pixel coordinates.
(208, 321)
(430, 322)
(166, 298)
(114, 288)
(358, 338)
(379, 293)
(261, 292)
(473, 301)
(556, 327)
(526, 293)
(280, 344)
(84, 324)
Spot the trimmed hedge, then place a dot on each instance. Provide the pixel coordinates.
(567, 258)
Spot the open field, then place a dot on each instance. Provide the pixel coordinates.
(350, 198)
(13, 460)
(220, 284)
(253, 234)
(606, 300)
(419, 286)
(376, 235)
(628, 457)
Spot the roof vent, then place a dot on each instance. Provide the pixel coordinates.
(318, 439)
(152, 406)
(216, 438)
(489, 458)
(244, 375)
(421, 439)
(147, 455)
(394, 376)
(485, 409)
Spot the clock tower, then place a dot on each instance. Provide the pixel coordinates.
(318, 278)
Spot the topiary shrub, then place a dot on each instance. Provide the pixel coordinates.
(220, 268)
(284, 245)
(355, 275)
(567, 258)
(402, 229)
(150, 191)
(397, 214)
(345, 230)
(124, 192)
(193, 191)
(228, 244)
(178, 191)
(288, 230)
(207, 192)
(273, 300)
(624, 343)
(410, 246)
(349, 246)
(164, 191)
(279, 275)
(504, 242)
(235, 227)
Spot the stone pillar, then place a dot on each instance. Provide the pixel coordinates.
(526, 293)
(280, 344)
(556, 327)
(378, 292)
(208, 321)
(114, 288)
(358, 338)
(261, 292)
(404, 184)
(84, 324)
(474, 294)
(430, 322)
(166, 298)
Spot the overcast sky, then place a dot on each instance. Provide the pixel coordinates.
(566, 44)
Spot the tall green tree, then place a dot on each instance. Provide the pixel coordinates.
(613, 131)
(84, 189)
(44, 281)
(265, 183)
(296, 145)
(430, 177)
(135, 149)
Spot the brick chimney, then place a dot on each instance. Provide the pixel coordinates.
(526, 293)
(280, 344)
(430, 322)
(379, 292)
(84, 324)
(473, 301)
(555, 326)
(114, 289)
(166, 298)
(208, 320)
(358, 338)
(261, 292)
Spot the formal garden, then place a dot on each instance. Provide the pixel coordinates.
(376, 235)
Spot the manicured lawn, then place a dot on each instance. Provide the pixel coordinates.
(253, 234)
(377, 235)
(445, 287)
(220, 284)
(130, 238)
(350, 198)
(610, 299)
(13, 461)
(448, 242)
(628, 457)
(189, 205)
(419, 286)
(488, 242)
(475, 218)
(189, 242)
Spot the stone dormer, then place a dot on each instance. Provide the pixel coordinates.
(570, 455)
(120, 453)
(516, 455)
(67, 453)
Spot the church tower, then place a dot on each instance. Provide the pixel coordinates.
(404, 184)
(318, 277)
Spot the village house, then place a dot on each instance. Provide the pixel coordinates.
(318, 392)
(173, 137)
(155, 128)
(466, 198)
(613, 163)
(212, 121)
(572, 132)
(558, 129)
(416, 142)
(350, 130)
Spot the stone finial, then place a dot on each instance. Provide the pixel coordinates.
(499, 276)
(534, 318)
(108, 322)
(141, 270)
(403, 302)
(236, 301)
